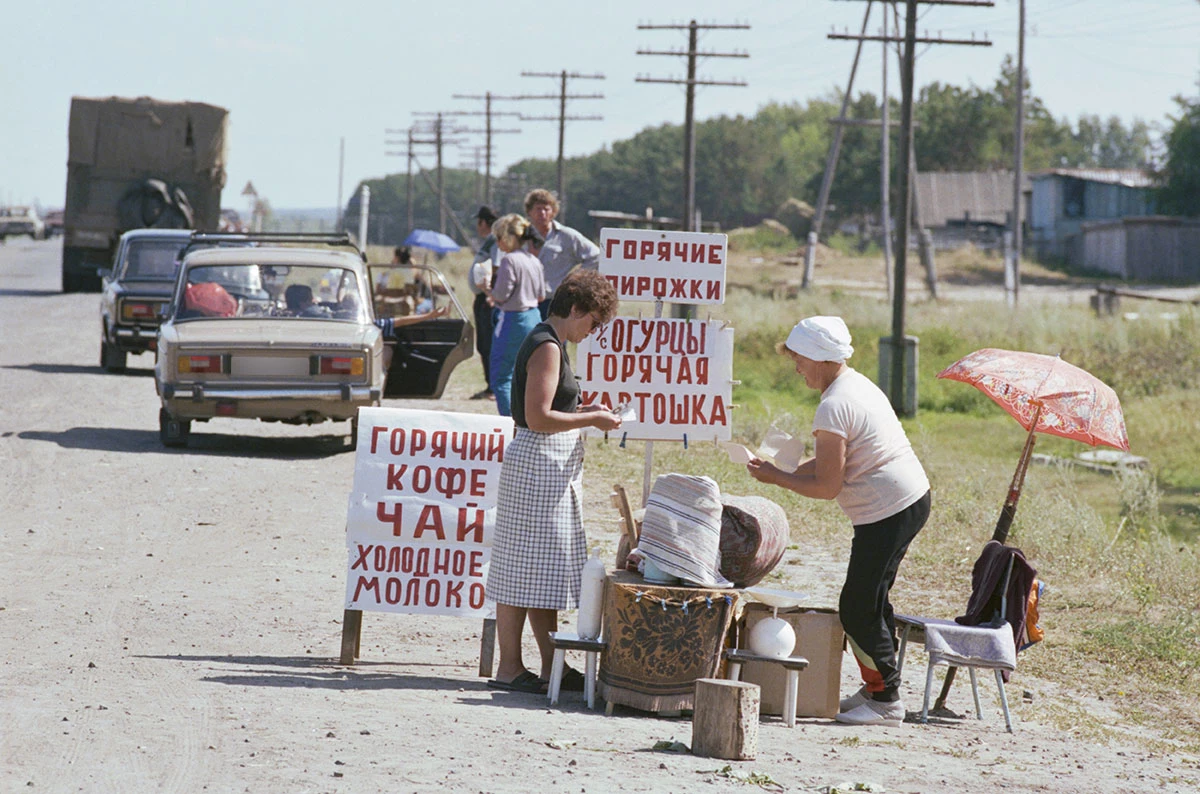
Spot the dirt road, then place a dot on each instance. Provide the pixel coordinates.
(171, 622)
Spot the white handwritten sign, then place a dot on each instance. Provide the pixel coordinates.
(677, 376)
(422, 510)
(678, 267)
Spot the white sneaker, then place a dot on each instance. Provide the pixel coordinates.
(852, 702)
(873, 712)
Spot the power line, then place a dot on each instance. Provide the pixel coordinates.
(689, 122)
(562, 118)
(898, 341)
(488, 131)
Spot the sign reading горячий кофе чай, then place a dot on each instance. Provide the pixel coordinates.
(422, 511)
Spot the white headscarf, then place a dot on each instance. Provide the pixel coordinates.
(821, 339)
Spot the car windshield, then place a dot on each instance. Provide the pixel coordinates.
(151, 260)
(273, 291)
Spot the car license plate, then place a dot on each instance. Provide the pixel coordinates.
(269, 367)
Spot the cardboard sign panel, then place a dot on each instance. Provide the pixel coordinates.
(675, 375)
(421, 514)
(677, 267)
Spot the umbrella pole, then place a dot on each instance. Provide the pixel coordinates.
(1002, 526)
(1018, 481)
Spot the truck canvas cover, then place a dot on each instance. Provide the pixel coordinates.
(115, 143)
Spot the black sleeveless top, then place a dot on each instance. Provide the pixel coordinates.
(566, 396)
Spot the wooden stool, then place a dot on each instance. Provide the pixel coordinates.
(793, 665)
(564, 641)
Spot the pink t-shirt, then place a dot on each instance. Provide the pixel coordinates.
(882, 475)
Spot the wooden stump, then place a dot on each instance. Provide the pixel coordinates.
(725, 719)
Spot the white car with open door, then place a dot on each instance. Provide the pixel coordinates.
(285, 331)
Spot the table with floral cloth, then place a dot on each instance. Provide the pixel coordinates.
(660, 639)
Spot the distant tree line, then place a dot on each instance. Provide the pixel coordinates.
(750, 169)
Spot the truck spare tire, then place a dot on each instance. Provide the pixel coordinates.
(155, 205)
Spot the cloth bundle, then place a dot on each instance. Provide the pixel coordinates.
(754, 535)
(681, 532)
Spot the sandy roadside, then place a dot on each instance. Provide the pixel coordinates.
(171, 623)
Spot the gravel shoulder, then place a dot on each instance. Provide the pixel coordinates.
(172, 621)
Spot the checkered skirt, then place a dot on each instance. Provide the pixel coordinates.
(539, 547)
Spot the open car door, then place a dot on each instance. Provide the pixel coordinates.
(425, 353)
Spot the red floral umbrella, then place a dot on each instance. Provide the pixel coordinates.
(1046, 395)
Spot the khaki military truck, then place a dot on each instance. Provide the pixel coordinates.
(132, 164)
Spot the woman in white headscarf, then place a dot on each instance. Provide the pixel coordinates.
(864, 461)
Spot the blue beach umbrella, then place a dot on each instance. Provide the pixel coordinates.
(431, 241)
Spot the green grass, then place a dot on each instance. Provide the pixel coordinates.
(1120, 554)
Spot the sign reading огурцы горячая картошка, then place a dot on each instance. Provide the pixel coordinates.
(422, 511)
(677, 267)
(676, 375)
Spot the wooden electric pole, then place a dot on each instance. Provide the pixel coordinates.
(408, 183)
(437, 132)
(439, 141)
(341, 171)
(885, 167)
(835, 147)
(562, 118)
(690, 222)
(488, 131)
(898, 342)
(1012, 279)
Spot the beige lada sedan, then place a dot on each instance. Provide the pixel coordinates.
(289, 334)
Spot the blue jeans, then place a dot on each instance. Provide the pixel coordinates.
(511, 330)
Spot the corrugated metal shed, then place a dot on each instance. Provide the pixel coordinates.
(1065, 198)
(981, 196)
(1153, 248)
(1129, 177)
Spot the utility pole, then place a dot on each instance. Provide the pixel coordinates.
(408, 179)
(831, 160)
(885, 178)
(463, 234)
(562, 118)
(341, 177)
(439, 140)
(1012, 275)
(689, 124)
(488, 131)
(899, 342)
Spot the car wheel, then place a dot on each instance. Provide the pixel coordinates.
(354, 433)
(173, 432)
(112, 358)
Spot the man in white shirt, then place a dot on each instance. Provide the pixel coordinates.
(561, 248)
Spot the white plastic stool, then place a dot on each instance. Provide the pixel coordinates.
(792, 664)
(564, 641)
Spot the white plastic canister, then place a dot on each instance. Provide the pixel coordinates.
(591, 597)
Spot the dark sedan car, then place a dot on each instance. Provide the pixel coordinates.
(136, 291)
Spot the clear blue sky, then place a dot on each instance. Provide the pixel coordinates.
(299, 76)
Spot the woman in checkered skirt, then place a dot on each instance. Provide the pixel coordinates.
(539, 547)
